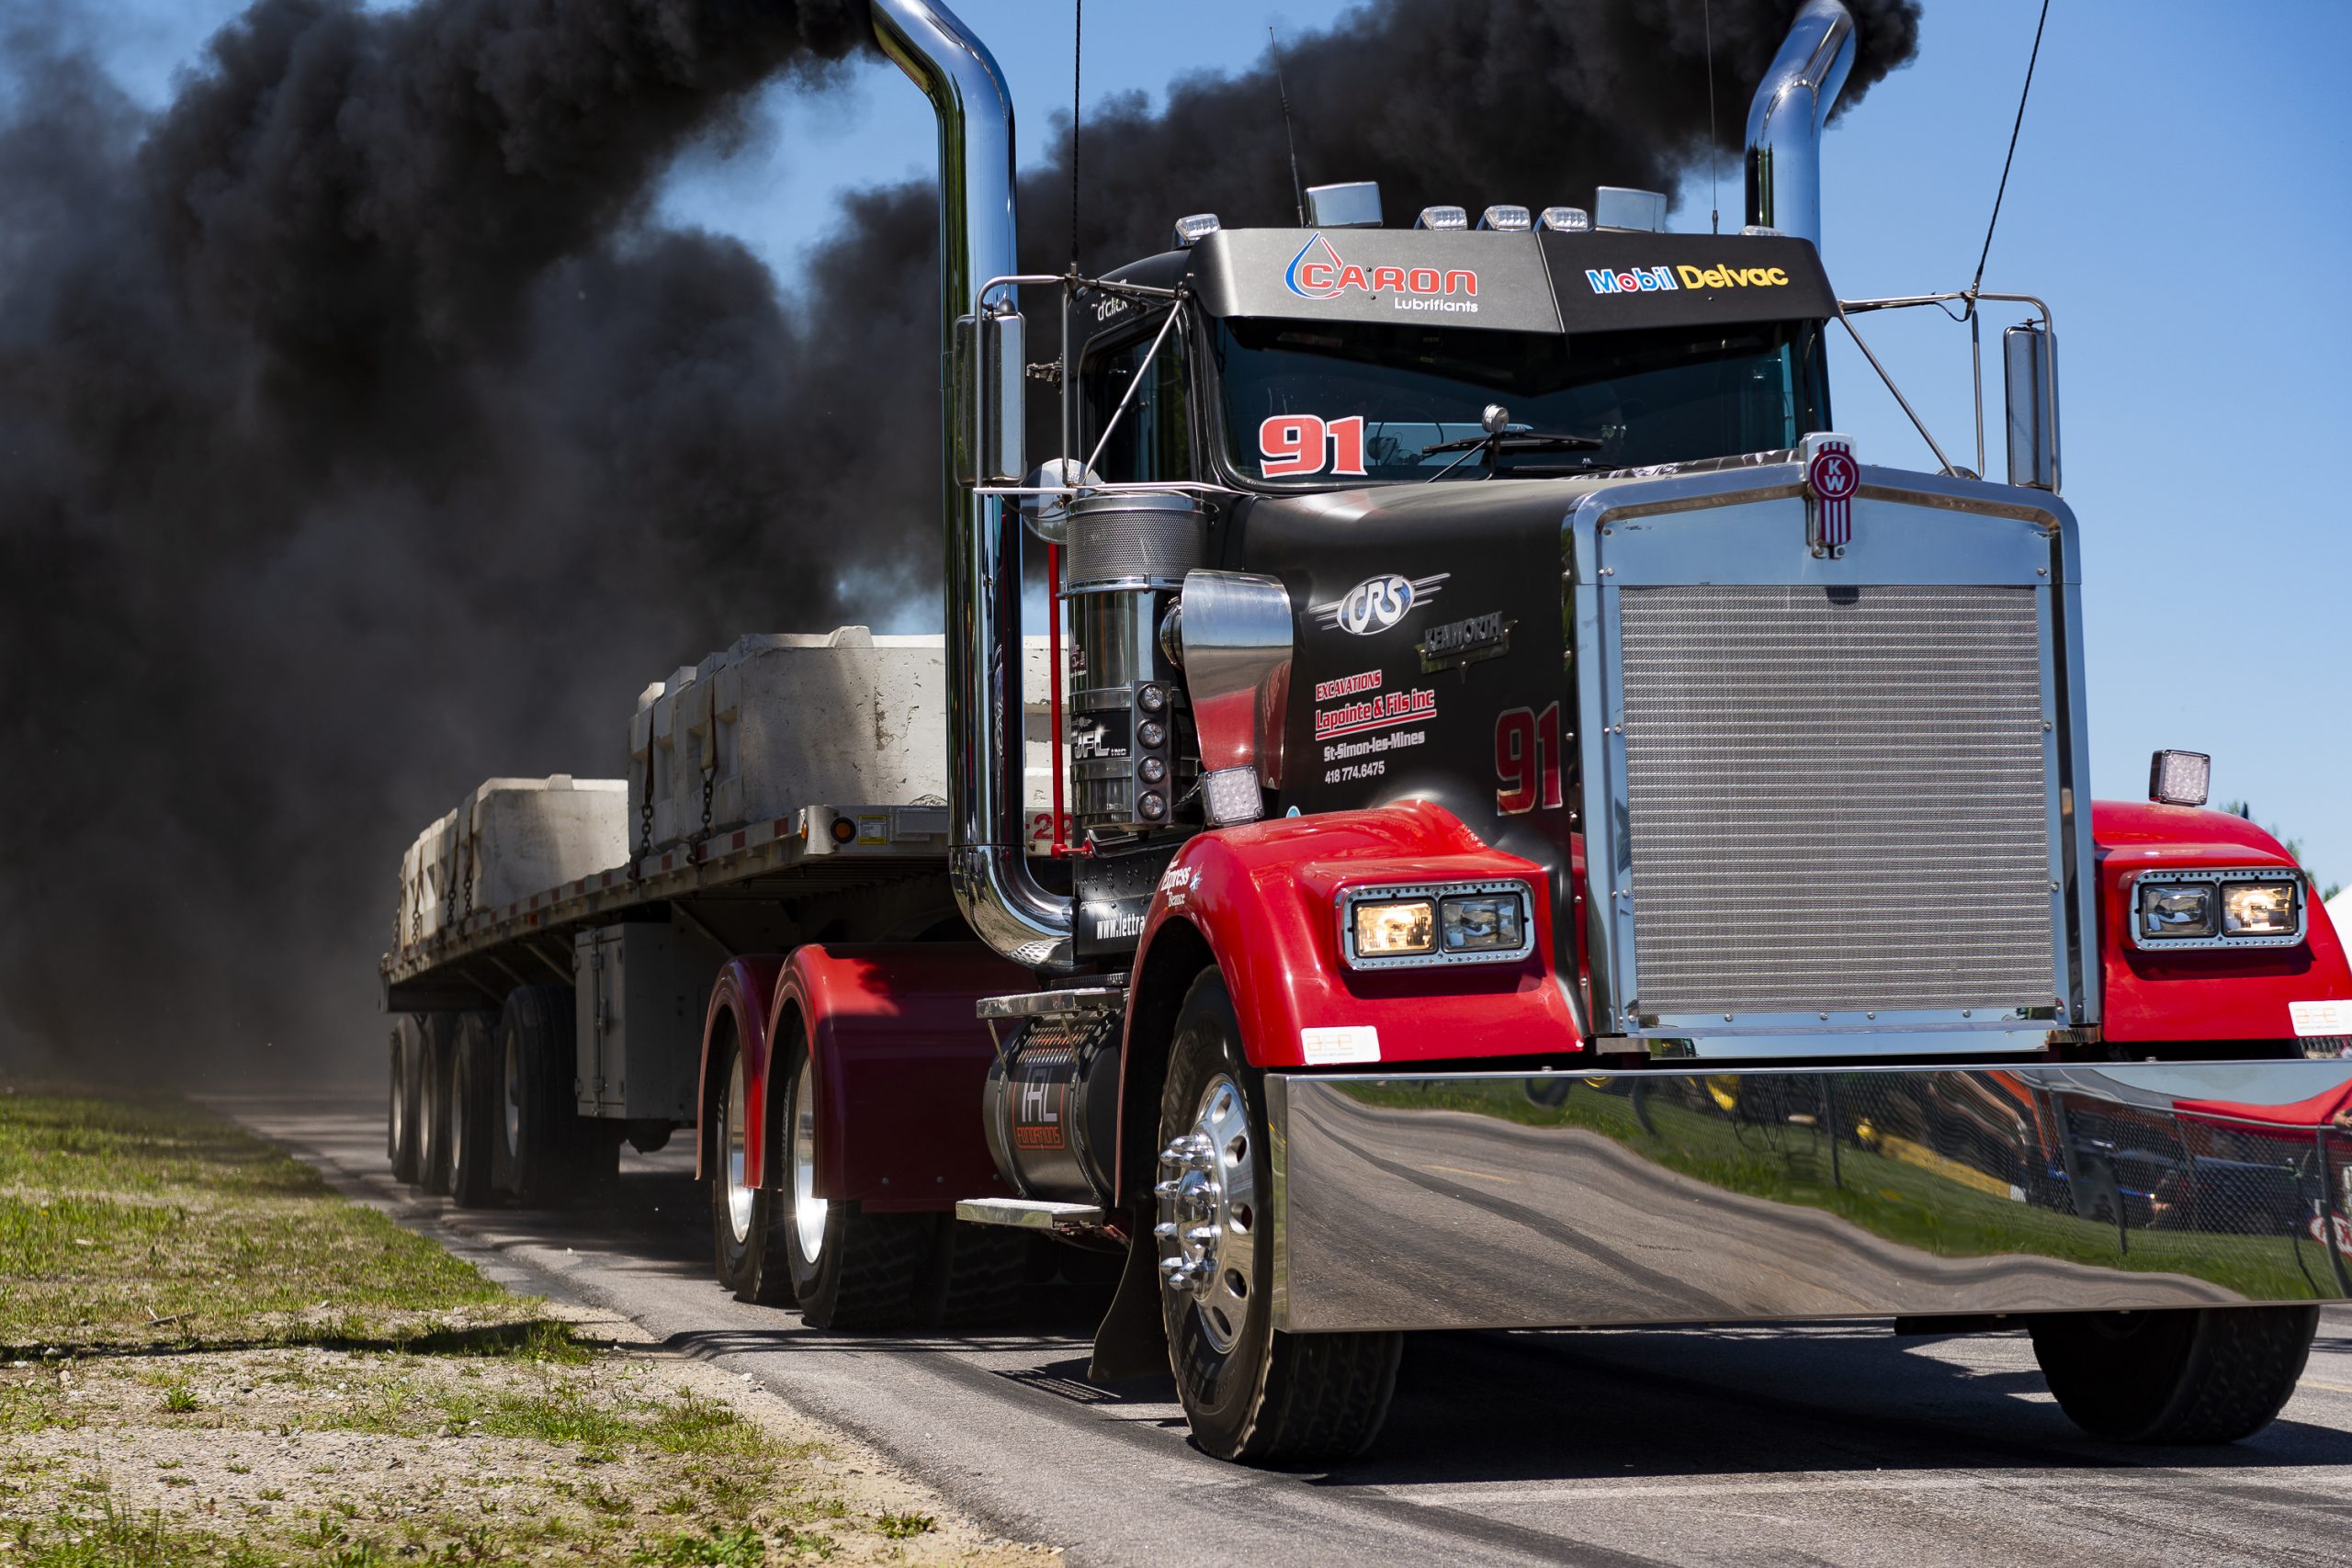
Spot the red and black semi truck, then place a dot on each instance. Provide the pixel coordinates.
(1542, 832)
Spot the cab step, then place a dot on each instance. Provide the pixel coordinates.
(1030, 1213)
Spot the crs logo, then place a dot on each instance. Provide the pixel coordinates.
(1318, 273)
(1377, 604)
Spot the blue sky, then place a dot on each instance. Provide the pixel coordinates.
(2176, 199)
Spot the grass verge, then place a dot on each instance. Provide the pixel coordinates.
(209, 1357)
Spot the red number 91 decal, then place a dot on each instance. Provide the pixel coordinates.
(1301, 443)
(1527, 760)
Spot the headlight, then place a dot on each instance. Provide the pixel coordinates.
(2172, 910)
(1395, 929)
(1481, 922)
(1459, 922)
(2259, 909)
(2167, 910)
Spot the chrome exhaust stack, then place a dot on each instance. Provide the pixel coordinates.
(986, 827)
(1785, 119)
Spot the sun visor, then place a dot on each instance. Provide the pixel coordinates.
(1395, 277)
(1606, 282)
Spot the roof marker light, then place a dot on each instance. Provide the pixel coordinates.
(1629, 210)
(1564, 221)
(1442, 217)
(1192, 229)
(1505, 220)
(1762, 232)
(1355, 204)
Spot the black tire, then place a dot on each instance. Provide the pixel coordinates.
(863, 1271)
(2188, 1375)
(979, 1274)
(548, 1147)
(407, 1088)
(432, 1105)
(746, 1223)
(473, 1105)
(1262, 1397)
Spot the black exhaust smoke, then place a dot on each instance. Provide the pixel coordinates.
(360, 438)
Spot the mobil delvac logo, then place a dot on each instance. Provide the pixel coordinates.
(1647, 279)
(1318, 273)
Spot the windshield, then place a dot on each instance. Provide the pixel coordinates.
(1308, 403)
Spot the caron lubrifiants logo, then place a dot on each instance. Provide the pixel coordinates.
(1318, 273)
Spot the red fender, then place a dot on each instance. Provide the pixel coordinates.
(1266, 898)
(901, 1060)
(2204, 995)
(742, 994)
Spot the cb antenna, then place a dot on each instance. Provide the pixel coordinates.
(1714, 153)
(1297, 191)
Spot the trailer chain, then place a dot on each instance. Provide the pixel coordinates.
(472, 851)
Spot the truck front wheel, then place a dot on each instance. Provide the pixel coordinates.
(850, 1270)
(1250, 1393)
(2185, 1375)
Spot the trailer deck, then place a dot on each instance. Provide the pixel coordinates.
(480, 956)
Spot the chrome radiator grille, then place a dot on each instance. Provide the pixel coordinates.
(1837, 799)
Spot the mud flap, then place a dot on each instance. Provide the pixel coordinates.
(1132, 1340)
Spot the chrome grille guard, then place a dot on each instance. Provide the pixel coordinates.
(1882, 746)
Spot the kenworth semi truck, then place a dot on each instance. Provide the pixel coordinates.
(1526, 826)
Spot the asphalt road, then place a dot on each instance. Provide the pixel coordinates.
(1702, 1446)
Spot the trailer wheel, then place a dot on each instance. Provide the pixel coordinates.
(546, 1144)
(1250, 1392)
(746, 1221)
(472, 1111)
(2185, 1375)
(432, 1105)
(407, 1088)
(850, 1270)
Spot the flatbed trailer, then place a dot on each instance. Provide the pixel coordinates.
(726, 889)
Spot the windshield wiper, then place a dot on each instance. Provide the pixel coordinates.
(1501, 438)
(1521, 440)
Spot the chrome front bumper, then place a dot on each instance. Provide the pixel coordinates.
(1476, 1200)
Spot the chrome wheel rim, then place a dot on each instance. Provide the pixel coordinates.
(739, 1188)
(808, 1209)
(428, 1142)
(399, 1099)
(1208, 1212)
(455, 1089)
(514, 1095)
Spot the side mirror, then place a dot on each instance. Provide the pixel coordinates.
(2031, 356)
(986, 394)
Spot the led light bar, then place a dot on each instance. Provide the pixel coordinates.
(1564, 221)
(1506, 220)
(1442, 217)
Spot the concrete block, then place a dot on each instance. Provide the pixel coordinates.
(527, 836)
(783, 720)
